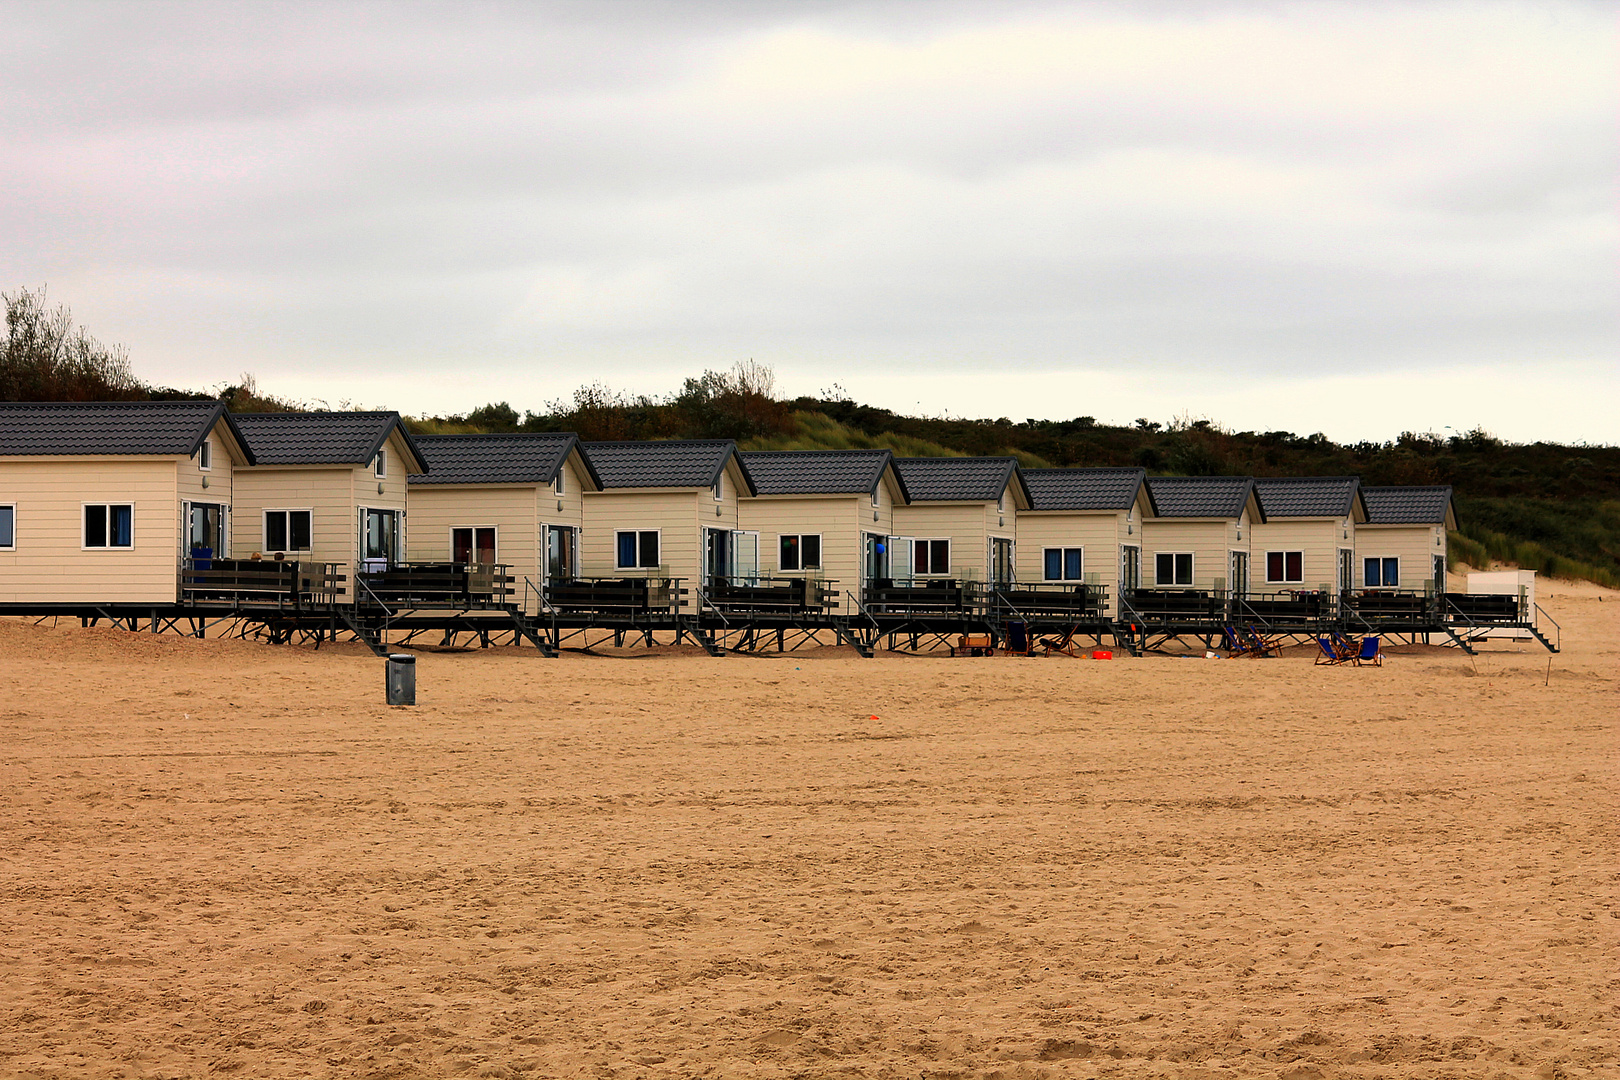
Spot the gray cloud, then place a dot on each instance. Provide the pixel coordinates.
(527, 196)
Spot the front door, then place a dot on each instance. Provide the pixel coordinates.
(1347, 573)
(877, 556)
(379, 538)
(205, 531)
(1130, 569)
(1439, 573)
(1239, 576)
(1001, 561)
(745, 558)
(716, 555)
(474, 544)
(560, 553)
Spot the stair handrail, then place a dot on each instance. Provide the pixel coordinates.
(1558, 631)
(860, 607)
(360, 582)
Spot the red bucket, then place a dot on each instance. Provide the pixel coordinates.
(1102, 654)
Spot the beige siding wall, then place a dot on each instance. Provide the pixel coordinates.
(1098, 535)
(51, 565)
(328, 493)
(1318, 538)
(1210, 541)
(1415, 545)
(965, 525)
(837, 519)
(675, 514)
(510, 509)
(220, 489)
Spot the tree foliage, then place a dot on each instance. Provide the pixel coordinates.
(48, 357)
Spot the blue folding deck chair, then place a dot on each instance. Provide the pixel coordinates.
(1371, 652)
(1330, 653)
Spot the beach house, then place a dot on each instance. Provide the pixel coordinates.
(1197, 535)
(1083, 526)
(511, 499)
(325, 487)
(1402, 544)
(959, 521)
(1306, 536)
(821, 513)
(667, 510)
(105, 502)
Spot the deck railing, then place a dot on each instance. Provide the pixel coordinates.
(801, 596)
(634, 597)
(261, 582)
(440, 583)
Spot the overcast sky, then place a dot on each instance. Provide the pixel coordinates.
(1353, 218)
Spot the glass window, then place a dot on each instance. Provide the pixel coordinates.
(8, 526)
(559, 484)
(287, 530)
(638, 550)
(382, 535)
(382, 464)
(800, 552)
(1385, 573)
(109, 525)
(1285, 566)
(1172, 568)
(205, 455)
(1063, 564)
(931, 557)
(1371, 574)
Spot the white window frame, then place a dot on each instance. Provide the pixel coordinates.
(1063, 563)
(1285, 579)
(205, 456)
(559, 485)
(1192, 569)
(496, 529)
(619, 532)
(1382, 560)
(931, 540)
(877, 501)
(801, 567)
(264, 526)
(107, 547)
(13, 545)
(380, 465)
(719, 489)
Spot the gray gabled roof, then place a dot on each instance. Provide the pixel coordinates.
(323, 438)
(677, 463)
(962, 479)
(1084, 489)
(506, 458)
(111, 427)
(1309, 496)
(1407, 505)
(817, 472)
(1200, 496)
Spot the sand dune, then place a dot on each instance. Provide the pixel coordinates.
(223, 857)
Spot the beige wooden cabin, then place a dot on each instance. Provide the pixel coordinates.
(821, 513)
(1402, 544)
(511, 499)
(1306, 538)
(101, 503)
(960, 520)
(1197, 536)
(1083, 526)
(667, 509)
(327, 487)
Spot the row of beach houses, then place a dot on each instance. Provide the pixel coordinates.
(106, 503)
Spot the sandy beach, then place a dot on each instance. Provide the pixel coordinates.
(222, 857)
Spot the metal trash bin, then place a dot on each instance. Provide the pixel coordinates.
(401, 679)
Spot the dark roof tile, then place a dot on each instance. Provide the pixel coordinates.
(693, 463)
(816, 472)
(1199, 496)
(1407, 505)
(963, 479)
(1083, 489)
(321, 438)
(521, 458)
(1307, 496)
(110, 427)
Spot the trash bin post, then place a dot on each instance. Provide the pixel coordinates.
(401, 679)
